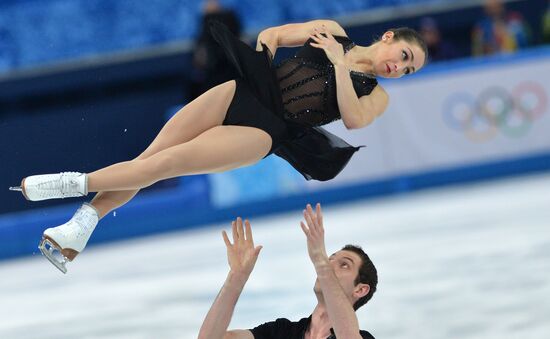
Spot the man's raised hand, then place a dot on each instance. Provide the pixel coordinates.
(315, 234)
(241, 254)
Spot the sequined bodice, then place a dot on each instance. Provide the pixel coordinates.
(308, 85)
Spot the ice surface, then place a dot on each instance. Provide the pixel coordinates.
(463, 262)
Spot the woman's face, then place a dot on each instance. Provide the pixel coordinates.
(397, 57)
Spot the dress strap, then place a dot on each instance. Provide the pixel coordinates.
(345, 41)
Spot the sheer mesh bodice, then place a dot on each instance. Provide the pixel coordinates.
(308, 85)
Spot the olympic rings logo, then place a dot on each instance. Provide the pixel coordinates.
(495, 109)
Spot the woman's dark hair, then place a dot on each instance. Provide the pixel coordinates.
(367, 274)
(411, 36)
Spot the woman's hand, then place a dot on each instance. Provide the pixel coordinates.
(242, 254)
(333, 49)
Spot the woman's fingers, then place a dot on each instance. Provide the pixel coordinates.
(317, 45)
(318, 42)
(315, 37)
(325, 32)
(328, 34)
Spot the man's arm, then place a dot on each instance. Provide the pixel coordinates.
(242, 256)
(339, 308)
(239, 334)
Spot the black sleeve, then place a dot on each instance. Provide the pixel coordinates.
(366, 335)
(271, 330)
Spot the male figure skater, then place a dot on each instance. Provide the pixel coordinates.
(345, 281)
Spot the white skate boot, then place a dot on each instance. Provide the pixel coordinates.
(70, 238)
(53, 186)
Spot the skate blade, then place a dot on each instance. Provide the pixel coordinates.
(48, 249)
(16, 188)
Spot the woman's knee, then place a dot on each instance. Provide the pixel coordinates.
(145, 154)
(252, 145)
(157, 167)
(229, 85)
(263, 144)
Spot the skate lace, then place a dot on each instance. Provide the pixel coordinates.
(71, 230)
(81, 225)
(64, 184)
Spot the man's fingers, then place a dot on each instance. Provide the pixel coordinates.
(311, 216)
(257, 250)
(309, 221)
(226, 239)
(304, 228)
(319, 213)
(240, 231)
(234, 231)
(248, 232)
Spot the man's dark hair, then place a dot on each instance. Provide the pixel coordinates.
(410, 36)
(367, 274)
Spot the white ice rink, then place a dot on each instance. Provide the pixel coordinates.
(463, 262)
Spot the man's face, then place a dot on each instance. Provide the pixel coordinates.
(346, 268)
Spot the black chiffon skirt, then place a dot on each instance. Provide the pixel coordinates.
(314, 152)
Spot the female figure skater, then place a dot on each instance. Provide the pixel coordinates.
(266, 110)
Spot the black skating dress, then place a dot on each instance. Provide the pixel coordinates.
(290, 101)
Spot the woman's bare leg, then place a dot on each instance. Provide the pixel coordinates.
(219, 149)
(203, 113)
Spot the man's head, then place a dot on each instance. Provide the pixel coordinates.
(356, 274)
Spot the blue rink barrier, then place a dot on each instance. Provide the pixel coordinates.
(177, 209)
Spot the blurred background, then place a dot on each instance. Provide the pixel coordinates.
(450, 196)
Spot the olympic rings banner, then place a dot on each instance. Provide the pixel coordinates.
(454, 115)
(496, 110)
